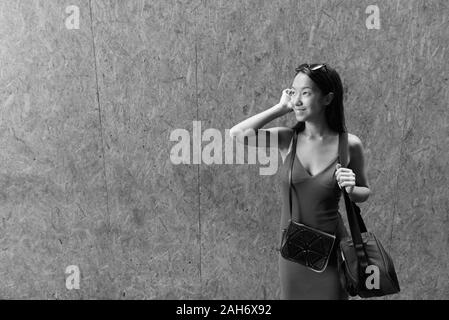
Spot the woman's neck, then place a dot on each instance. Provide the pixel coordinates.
(317, 131)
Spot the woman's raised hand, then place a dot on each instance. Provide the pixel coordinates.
(286, 103)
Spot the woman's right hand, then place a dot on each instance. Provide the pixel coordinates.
(286, 102)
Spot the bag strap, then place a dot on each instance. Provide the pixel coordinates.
(292, 157)
(342, 159)
(355, 220)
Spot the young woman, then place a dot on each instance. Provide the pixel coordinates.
(316, 98)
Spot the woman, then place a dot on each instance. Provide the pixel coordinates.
(316, 98)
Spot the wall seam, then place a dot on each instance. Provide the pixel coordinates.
(99, 117)
(404, 136)
(199, 163)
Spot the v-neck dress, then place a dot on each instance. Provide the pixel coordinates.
(319, 197)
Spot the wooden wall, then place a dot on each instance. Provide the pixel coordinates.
(86, 177)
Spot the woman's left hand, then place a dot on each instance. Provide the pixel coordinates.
(345, 178)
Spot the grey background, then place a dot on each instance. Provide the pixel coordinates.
(86, 178)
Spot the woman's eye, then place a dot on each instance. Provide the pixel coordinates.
(305, 92)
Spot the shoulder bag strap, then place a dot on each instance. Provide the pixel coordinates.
(292, 157)
(356, 224)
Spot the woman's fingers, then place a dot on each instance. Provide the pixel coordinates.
(348, 180)
(289, 91)
(342, 175)
(345, 177)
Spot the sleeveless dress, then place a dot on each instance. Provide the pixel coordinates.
(319, 197)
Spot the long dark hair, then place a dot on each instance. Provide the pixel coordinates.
(328, 80)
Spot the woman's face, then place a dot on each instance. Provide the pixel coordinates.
(307, 98)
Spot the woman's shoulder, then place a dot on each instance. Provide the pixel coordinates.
(285, 138)
(354, 141)
(355, 147)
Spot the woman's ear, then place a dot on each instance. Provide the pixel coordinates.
(328, 98)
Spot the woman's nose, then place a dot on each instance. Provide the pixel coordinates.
(297, 101)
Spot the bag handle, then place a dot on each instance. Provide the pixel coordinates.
(355, 220)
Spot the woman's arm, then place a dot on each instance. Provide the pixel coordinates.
(353, 177)
(251, 126)
(361, 190)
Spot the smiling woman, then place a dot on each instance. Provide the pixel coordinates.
(316, 100)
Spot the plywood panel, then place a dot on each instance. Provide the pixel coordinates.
(53, 197)
(86, 175)
(146, 63)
